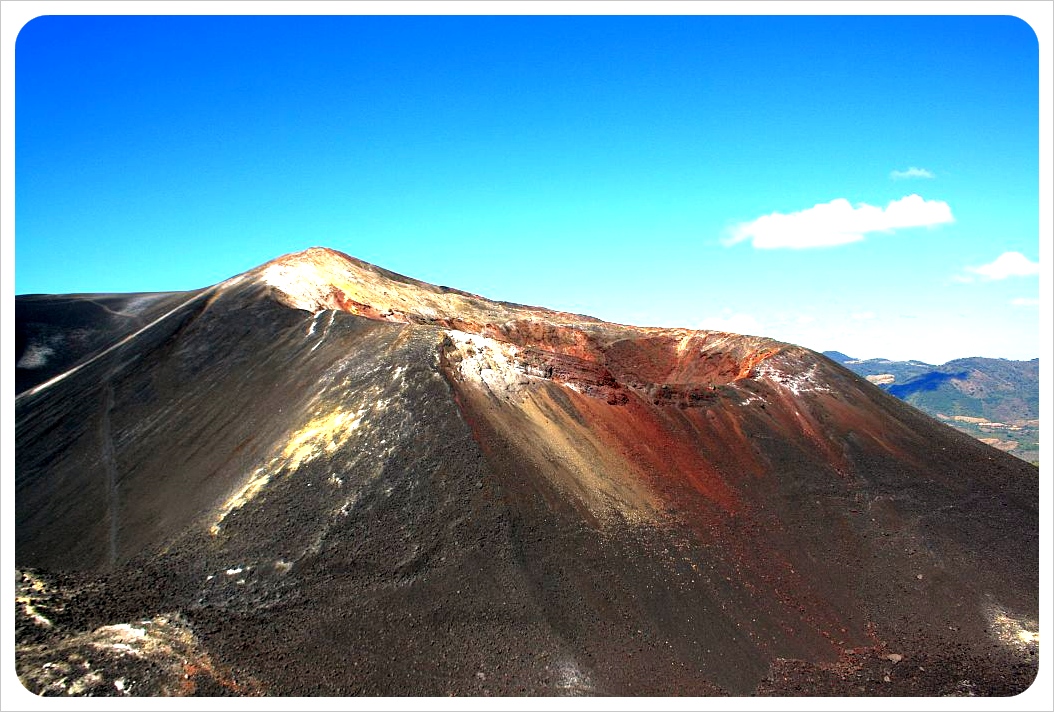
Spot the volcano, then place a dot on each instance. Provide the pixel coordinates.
(320, 477)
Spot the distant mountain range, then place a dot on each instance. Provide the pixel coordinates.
(995, 400)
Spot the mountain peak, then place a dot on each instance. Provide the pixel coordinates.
(320, 278)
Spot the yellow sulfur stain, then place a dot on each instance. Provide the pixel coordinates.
(259, 478)
(323, 434)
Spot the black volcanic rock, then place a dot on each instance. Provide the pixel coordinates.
(323, 478)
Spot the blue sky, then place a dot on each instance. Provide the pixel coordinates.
(749, 173)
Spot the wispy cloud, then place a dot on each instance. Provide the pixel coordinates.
(863, 316)
(912, 172)
(1008, 264)
(1025, 302)
(838, 223)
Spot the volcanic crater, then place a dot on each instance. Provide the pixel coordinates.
(320, 477)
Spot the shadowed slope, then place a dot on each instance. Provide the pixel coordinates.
(54, 333)
(390, 487)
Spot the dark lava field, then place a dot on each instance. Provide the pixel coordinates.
(323, 478)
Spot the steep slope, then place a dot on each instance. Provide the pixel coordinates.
(345, 481)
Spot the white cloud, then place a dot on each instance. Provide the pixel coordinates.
(1025, 302)
(864, 316)
(839, 223)
(912, 172)
(1008, 264)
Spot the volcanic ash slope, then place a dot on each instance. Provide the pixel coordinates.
(323, 478)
